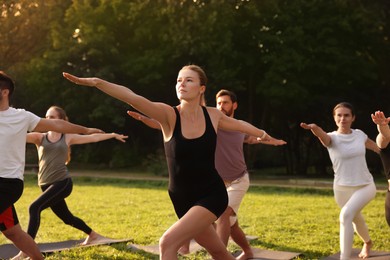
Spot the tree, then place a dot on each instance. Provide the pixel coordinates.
(288, 61)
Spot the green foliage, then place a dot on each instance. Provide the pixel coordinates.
(288, 61)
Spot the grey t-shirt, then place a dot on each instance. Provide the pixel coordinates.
(229, 155)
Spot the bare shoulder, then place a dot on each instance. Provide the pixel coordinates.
(215, 116)
(214, 113)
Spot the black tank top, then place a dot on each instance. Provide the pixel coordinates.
(191, 161)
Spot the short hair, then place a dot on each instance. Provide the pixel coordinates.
(224, 92)
(6, 82)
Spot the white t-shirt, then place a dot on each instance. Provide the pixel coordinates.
(348, 155)
(14, 125)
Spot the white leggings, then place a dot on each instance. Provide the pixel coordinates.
(351, 200)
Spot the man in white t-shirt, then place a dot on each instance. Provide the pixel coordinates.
(14, 125)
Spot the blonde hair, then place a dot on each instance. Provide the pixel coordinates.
(202, 79)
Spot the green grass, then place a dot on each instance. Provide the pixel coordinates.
(286, 219)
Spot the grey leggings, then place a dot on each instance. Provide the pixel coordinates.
(53, 196)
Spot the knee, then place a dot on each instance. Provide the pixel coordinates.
(12, 232)
(168, 242)
(345, 216)
(164, 242)
(34, 209)
(68, 221)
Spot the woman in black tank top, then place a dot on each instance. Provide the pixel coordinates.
(189, 130)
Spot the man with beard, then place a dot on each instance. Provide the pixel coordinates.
(231, 166)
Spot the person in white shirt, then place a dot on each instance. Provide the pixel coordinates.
(14, 125)
(353, 185)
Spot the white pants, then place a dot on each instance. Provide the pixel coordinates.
(351, 200)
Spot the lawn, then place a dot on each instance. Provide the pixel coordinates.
(285, 219)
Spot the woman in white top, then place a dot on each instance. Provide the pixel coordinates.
(353, 186)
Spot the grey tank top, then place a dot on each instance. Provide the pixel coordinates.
(52, 158)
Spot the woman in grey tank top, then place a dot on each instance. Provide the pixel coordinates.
(53, 176)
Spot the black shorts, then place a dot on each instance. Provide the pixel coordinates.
(10, 192)
(214, 199)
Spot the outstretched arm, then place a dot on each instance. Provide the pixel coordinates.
(161, 112)
(232, 124)
(34, 138)
(317, 131)
(151, 109)
(371, 145)
(144, 119)
(382, 122)
(93, 138)
(62, 126)
(257, 140)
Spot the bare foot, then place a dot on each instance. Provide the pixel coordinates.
(245, 255)
(20, 256)
(93, 238)
(365, 253)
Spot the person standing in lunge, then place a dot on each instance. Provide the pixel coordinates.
(231, 166)
(54, 178)
(14, 125)
(189, 131)
(353, 185)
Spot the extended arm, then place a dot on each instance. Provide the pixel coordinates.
(257, 140)
(232, 124)
(317, 131)
(93, 138)
(371, 145)
(161, 112)
(62, 126)
(144, 119)
(34, 138)
(151, 109)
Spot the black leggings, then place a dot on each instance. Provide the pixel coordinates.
(53, 196)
